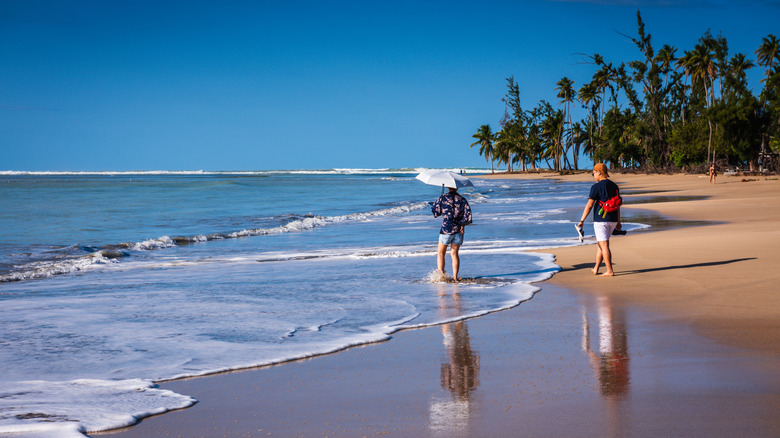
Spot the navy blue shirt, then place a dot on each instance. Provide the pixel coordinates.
(454, 210)
(603, 190)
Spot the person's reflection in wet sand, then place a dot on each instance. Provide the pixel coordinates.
(459, 375)
(611, 363)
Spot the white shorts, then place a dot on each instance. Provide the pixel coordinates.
(603, 230)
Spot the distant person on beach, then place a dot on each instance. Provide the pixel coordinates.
(713, 173)
(456, 214)
(604, 221)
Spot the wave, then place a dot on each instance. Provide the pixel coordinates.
(113, 173)
(112, 253)
(45, 269)
(530, 198)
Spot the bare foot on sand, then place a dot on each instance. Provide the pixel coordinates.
(595, 271)
(608, 274)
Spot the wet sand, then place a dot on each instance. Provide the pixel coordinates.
(682, 342)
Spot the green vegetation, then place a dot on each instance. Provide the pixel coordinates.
(659, 112)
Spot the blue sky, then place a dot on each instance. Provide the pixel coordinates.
(249, 85)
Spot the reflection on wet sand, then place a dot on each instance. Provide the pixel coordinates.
(459, 375)
(611, 363)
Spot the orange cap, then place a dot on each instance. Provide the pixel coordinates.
(601, 168)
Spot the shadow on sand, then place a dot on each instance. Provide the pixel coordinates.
(660, 268)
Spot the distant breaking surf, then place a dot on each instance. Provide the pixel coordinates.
(111, 253)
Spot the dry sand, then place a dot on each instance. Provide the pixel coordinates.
(682, 342)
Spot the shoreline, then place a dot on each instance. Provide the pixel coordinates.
(528, 366)
(743, 217)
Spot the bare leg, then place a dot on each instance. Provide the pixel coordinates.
(455, 261)
(599, 259)
(606, 254)
(440, 257)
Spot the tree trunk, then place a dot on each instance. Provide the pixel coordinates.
(753, 162)
(709, 142)
(566, 163)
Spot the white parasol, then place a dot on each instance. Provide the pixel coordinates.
(444, 178)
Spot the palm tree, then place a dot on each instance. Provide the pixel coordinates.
(739, 65)
(583, 133)
(601, 81)
(588, 96)
(665, 58)
(703, 67)
(485, 138)
(533, 136)
(768, 53)
(685, 62)
(552, 129)
(565, 88)
(501, 150)
(511, 142)
(581, 137)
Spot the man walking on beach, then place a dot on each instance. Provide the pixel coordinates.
(606, 217)
(456, 214)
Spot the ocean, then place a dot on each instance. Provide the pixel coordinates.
(112, 281)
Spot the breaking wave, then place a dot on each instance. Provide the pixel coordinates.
(112, 253)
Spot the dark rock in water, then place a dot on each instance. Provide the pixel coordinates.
(113, 254)
(180, 240)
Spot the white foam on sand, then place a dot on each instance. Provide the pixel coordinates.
(59, 406)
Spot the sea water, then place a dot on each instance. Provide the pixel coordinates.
(110, 282)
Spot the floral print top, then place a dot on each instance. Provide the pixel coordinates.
(454, 210)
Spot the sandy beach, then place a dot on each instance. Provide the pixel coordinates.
(684, 341)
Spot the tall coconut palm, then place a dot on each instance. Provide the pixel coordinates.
(485, 139)
(601, 81)
(703, 68)
(588, 97)
(768, 53)
(666, 59)
(685, 63)
(739, 65)
(565, 89)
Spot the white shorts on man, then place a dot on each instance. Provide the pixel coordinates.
(603, 230)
